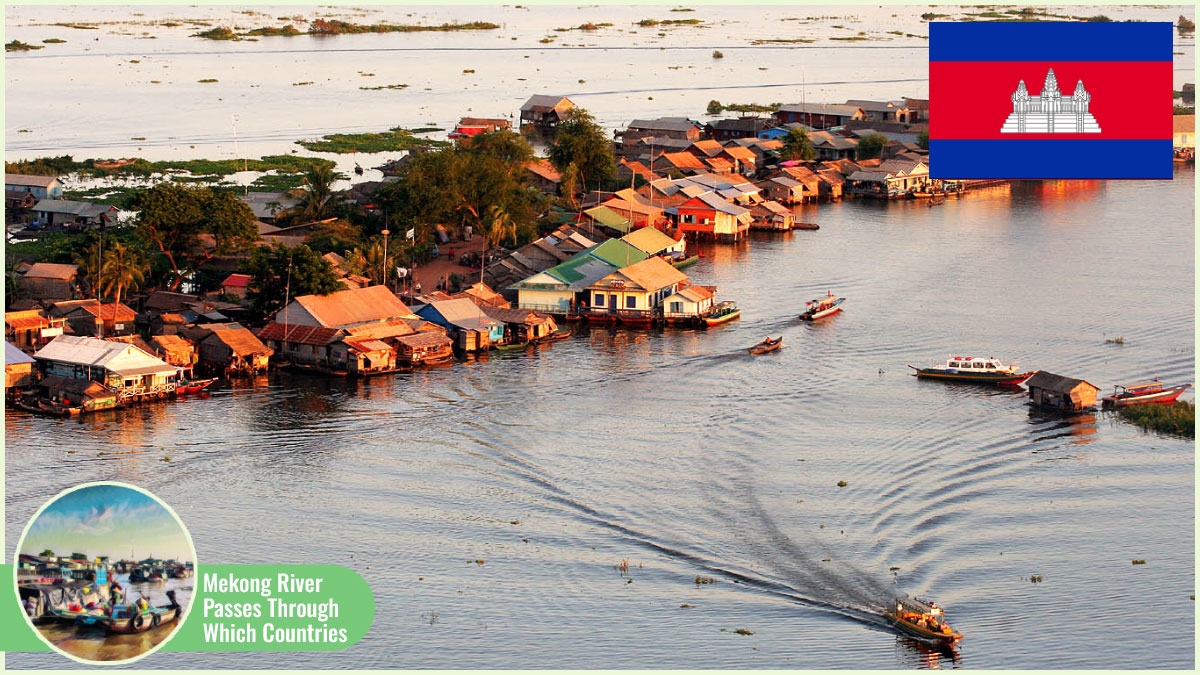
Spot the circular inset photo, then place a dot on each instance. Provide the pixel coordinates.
(105, 572)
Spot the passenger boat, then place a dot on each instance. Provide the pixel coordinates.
(724, 312)
(968, 369)
(194, 386)
(126, 619)
(924, 621)
(1145, 392)
(768, 345)
(822, 307)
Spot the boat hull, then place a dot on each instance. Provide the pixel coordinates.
(822, 313)
(982, 378)
(922, 634)
(709, 321)
(762, 348)
(1165, 395)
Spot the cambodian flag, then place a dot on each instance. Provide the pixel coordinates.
(1050, 100)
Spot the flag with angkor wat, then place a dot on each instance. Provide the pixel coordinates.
(1050, 100)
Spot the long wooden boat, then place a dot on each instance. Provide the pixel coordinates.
(724, 312)
(805, 226)
(924, 621)
(768, 345)
(194, 386)
(561, 334)
(511, 347)
(822, 307)
(69, 616)
(126, 619)
(686, 262)
(1144, 392)
(970, 369)
(40, 407)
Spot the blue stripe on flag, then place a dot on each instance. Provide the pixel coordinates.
(1051, 158)
(1050, 41)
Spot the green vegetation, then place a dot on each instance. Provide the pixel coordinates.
(580, 141)
(797, 145)
(1185, 25)
(270, 31)
(397, 138)
(279, 270)
(718, 55)
(1183, 110)
(18, 46)
(78, 26)
(871, 146)
(218, 33)
(120, 197)
(930, 16)
(842, 483)
(648, 23)
(782, 41)
(336, 27)
(743, 631)
(923, 139)
(385, 86)
(1099, 18)
(53, 41)
(853, 38)
(207, 80)
(1178, 418)
(208, 168)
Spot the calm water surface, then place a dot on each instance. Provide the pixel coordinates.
(678, 452)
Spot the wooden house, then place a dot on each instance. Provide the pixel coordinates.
(49, 281)
(373, 304)
(17, 206)
(18, 369)
(41, 187)
(87, 317)
(830, 187)
(130, 371)
(883, 111)
(1057, 392)
(174, 349)
(235, 285)
(710, 215)
(232, 349)
(172, 323)
(771, 215)
(743, 158)
(1184, 131)
(783, 189)
(653, 241)
(819, 115)
(469, 326)
(29, 330)
(682, 163)
(663, 127)
(689, 303)
(362, 356)
(542, 112)
(521, 325)
(473, 126)
(740, 127)
(634, 293)
(542, 175)
(482, 295)
(77, 392)
(299, 344)
(73, 215)
(424, 347)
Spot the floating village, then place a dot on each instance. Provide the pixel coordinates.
(85, 592)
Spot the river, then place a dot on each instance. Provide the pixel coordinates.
(680, 454)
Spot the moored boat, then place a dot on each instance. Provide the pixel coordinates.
(970, 369)
(132, 619)
(822, 307)
(681, 263)
(805, 226)
(561, 334)
(194, 386)
(768, 345)
(1144, 392)
(924, 621)
(512, 346)
(724, 312)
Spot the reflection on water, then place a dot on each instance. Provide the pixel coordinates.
(677, 451)
(93, 644)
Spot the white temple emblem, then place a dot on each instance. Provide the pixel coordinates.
(1050, 112)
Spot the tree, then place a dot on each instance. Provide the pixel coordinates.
(871, 146)
(124, 268)
(279, 273)
(579, 140)
(318, 201)
(569, 186)
(500, 227)
(191, 225)
(338, 235)
(509, 147)
(47, 553)
(923, 139)
(714, 107)
(797, 145)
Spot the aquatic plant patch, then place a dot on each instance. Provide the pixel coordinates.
(394, 139)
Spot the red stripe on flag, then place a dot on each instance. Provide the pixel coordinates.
(971, 100)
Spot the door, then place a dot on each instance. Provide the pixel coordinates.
(612, 303)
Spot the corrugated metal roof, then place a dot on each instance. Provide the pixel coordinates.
(1056, 383)
(240, 341)
(52, 271)
(618, 253)
(86, 209)
(14, 356)
(423, 339)
(651, 274)
(119, 357)
(31, 181)
(353, 306)
(463, 313)
(651, 240)
(664, 124)
(309, 335)
(171, 343)
(543, 101)
(716, 202)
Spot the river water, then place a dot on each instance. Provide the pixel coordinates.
(681, 454)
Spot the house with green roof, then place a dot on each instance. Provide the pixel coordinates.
(560, 289)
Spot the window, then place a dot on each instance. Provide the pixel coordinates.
(599, 300)
(631, 302)
(677, 307)
(978, 365)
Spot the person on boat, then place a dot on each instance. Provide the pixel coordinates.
(174, 603)
(30, 605)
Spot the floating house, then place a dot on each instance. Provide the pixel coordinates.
(88, 317)
(709, 215)
(128, 370)
(663, 127)
(561, 290)
(543, 113)
(232, 349)
(470, 328)
(689, 304)
(354, 307)
(653, 241)
(819, 115)
(424, 348)
(18, 369)
(635, 293)
(1058, 392)
(521, 325)
(41, 187)
(175, 350)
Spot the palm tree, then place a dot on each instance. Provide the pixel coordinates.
(319, 200)
(500, 227)
(123, 269)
